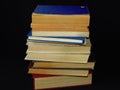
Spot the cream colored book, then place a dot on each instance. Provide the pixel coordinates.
(46, 48)
(40, 64)
(60, 33)
(73, 58)
(68, 72)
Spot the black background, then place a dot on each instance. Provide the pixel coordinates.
(104, 34)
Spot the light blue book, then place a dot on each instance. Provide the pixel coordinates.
(59, 39)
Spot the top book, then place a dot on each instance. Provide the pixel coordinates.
(61, 9)
(60, 19)
(49, 17)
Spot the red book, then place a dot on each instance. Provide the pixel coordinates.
(48, 82)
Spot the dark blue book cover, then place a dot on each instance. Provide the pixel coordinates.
(29, 33)
(59, 9)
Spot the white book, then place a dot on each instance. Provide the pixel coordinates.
(79, 40)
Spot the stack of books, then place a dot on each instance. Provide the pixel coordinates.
(49, 20)
(59, 47)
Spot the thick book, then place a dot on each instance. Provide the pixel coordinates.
(42, 64)
(60, 14)
(47, 48)
(59, 39)
(71, 58)
(46, 81)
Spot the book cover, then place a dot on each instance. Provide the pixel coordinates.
(29, 33)
(61, 9)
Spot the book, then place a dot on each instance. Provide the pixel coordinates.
(58, 33)
(46, 81)
(47, 48)
(60, 39)
(59, 27)
(34, 42)
(42, 64)
(71, 58)
(59, 14)
(55, 71)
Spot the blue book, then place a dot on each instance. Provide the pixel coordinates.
(60, 39)
(61, 9)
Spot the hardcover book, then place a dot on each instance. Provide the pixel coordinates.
(46, 81)
(55, 16)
